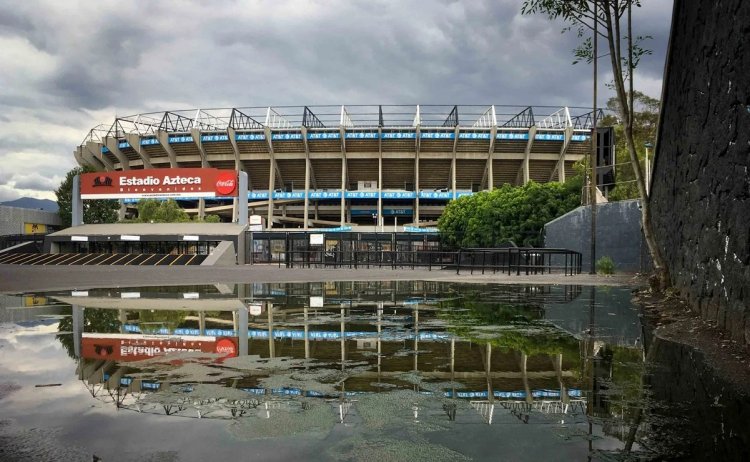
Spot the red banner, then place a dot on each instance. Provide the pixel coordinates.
(160, 182)
(135, 347)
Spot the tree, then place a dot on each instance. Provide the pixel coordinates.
(645, 118)
(94, 211)
(509, 213)
(604, 19)
(155, 211)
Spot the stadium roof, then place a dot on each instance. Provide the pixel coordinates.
(330, 117)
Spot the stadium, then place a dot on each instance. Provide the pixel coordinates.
(381, 168)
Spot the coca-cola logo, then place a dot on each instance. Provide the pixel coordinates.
(226, 347)
(226, 182)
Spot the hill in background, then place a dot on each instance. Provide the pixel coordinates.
(31, 203)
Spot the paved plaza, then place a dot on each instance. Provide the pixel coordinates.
(15, 278)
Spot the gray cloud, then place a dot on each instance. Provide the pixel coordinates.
(35, 181)
(68, 70)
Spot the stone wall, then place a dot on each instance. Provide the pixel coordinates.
(701, 184)
(618, 235)
(12, 219)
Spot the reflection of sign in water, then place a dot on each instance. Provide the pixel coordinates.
(256, 309)
(133, 347)
(33, 300)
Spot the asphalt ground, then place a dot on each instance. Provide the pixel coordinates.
(20, 278)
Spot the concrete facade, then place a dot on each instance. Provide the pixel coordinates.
(618, 235)
(12, 219)
(313, 167)
(231, 235)
(701, 186)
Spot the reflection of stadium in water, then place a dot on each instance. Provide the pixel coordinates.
(462, 348)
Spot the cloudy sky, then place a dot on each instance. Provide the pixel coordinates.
(68, 66)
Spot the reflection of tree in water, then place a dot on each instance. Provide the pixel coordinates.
(474, 307)
(154, 320)
(519, 325)
(102, 321)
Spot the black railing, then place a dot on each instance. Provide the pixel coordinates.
(9, 240)
(355, 259)
(519, 260)
(510, 260)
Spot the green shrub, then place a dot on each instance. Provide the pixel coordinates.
(605, 265)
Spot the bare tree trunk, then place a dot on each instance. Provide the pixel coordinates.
(661, 269)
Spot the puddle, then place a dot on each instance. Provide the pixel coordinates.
(407, 370)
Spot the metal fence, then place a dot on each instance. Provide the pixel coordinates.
(519, 260)
(402, 250)
(511, 260)
(9, 240)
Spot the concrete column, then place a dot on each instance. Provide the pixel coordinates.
(232, 135)
(202, 322)
(271, 349)
(307, 192)
(196, 135)
(242, 336)
(94, 150)
(416, 337)
(163, 138)
(527, 155)
(122, 317)
(201, 208)
(380, 337)
(380, 192)
(342, 130)
(416, 176)
(113, 144)
(488, 369)
(491, 159)
(560, 166)
(135, 142)
(241, 208)
(76, 202)
(271, 179)
(343, 339)
(77, 329)
(121, 212)
(525, 377)
(307, 339)
(453, 175)
(343, 190)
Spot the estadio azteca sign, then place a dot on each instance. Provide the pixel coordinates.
(159, 182)
(135, 347)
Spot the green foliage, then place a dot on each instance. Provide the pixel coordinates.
(94, 211)
(509, 213)
(645, 119)
(508, 326)
(546, 341)
(605, 265)
(168, 211)
(210, 219)
(155, 211)
(94, 320)
(152, 321)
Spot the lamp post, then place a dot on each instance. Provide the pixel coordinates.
(375, 219)
(648, 146)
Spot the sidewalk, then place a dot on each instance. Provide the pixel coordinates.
(39, 278)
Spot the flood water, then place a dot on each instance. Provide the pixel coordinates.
(381, 371)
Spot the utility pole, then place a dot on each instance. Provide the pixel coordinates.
(592, 184)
